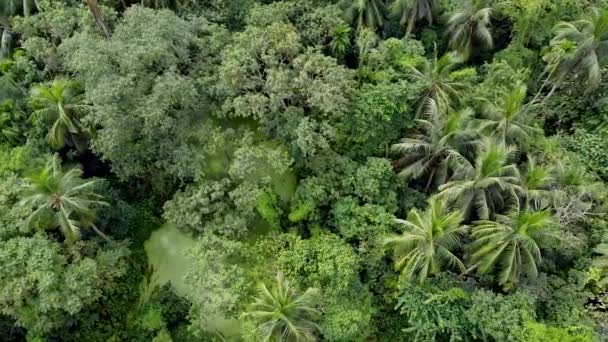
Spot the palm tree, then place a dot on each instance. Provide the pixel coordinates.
(411, 11)
(441, 146)
(282, 314)
(340, 40)
(590, 53)
(536, 182)
(435, 75)
(511, 244)
(470, 27)
(367, 13)
(66, 196)
(428, 241)
(488, 186)
(508, 117)
(59, 102)
(9, 116)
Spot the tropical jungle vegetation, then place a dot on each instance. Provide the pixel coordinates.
(303, 170)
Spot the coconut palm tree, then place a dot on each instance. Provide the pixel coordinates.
(590, 50)
(367, 13)
(67, 197)
(490, 185)
(508, 118)
(60, 103)
(469, 28)
(282, 314)
(536, 182)
(411, 11)
(435, 75)
(511, 244)
(9, 117)
(441, 147)
(427, 244)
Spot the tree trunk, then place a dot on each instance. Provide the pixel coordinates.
(96, 12)
(100, 233)
(26, 8)
(550, 93)
(5, 42)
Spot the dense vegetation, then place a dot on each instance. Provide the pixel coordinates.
(301, 170)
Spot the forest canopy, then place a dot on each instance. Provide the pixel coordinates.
(311, 170)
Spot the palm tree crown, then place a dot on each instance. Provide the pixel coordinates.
(284, 315)
(411, 11)
(441, 146)
(367, 13)
(427, 244)
(470, 27)
(591, 51)
(435, 75)
(59, 103)
(66, 196)
(508, 118)
(489, 185)
(511, 243)
(536, 181)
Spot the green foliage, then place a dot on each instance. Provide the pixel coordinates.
(41, 289)
(433, 312)
(324, 261)
(591, 147)
(11, 119)
(378, 117)
(243, 139)
(143, 92)
(538, 332)
(500, 317)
